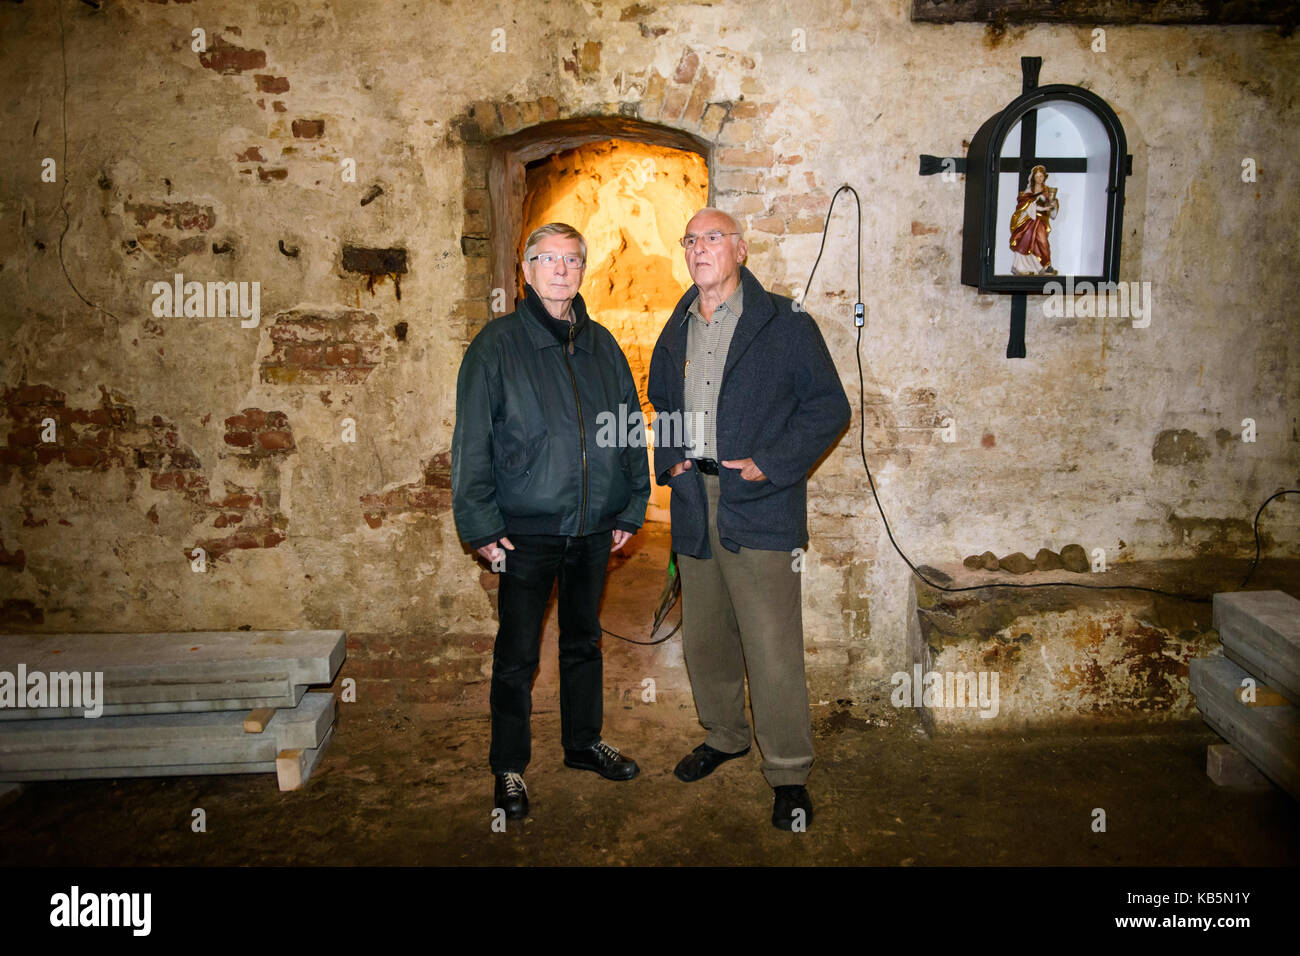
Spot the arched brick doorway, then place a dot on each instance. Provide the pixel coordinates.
(507, 175)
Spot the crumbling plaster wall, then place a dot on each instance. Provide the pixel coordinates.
(228, 164)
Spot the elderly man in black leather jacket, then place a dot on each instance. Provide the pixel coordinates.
(540, 493)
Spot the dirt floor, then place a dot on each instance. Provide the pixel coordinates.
(405, 782)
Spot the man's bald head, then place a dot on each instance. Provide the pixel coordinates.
(714, 267)
(716, 218)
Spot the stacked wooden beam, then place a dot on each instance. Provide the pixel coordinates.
(1251, 696)
(172, 704)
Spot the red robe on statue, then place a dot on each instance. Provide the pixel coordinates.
(1029, 232)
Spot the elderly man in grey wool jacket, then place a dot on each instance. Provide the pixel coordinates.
(752, 378)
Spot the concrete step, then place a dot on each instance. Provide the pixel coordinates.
(178, 672)
(291, 767)
(159, 743)
(1260, 630)
(1268, 735)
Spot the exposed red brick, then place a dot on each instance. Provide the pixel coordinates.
(181, 216)
(275, 441)
(15, 560)
(342, 355)
(26, 436)
(674, 103)
(248, 418)
(743, 157)
(748, 109)
(738, 180)
(804, 225)
(305, 355)
(167, 481)
(33, 395)
(686, 67)
(431, 494)
(271, 84)
(308, 129)
(251, 155)
(267, 175)
(700, 94)
(510, 118)
(84, 457)
(429, 499)
(222, 56)
(314, 347)
(240, 439)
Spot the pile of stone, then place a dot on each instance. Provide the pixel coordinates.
(144, 705)
(1071, 558)
(1251, 695)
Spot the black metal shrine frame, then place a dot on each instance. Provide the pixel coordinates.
(984, 163)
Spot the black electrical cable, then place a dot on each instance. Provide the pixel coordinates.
(1255, 563)
(862, 448)
(677, 627)
(803, 300)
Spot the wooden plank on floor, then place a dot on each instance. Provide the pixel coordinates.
(256, 721)
(1263, 695)
(1229, 767)
(294, 767)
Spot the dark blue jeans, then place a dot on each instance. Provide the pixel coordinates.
(525, 590)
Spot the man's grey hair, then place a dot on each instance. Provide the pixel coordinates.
(554, 229)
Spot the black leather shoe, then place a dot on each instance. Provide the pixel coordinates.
(511, 795)
(604, 760)
(786, 806)
(702, 761)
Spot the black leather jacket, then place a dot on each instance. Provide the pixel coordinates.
(525, 454)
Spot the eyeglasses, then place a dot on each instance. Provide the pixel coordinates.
(710, 239)
(549, 259)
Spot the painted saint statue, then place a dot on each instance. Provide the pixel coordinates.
(1031, 225)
